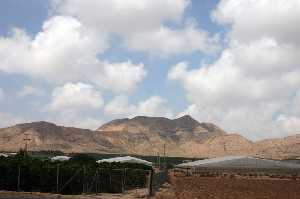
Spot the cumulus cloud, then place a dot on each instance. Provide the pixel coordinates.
(154, 106)
(255, 19)
(166, 41)
(250, 88)
(123, 17)
(63, 51)
(74, 104)
(78, 96)
(120, 77)
(141, 24)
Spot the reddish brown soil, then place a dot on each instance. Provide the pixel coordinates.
(230, 188)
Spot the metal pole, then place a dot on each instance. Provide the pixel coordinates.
(151, 183)
(158, 160)
(26, 139)
(57, 178)
(165, 155)
(96, 183)
(19, 177)
(110, 177)
(124, 180)
(83, 183)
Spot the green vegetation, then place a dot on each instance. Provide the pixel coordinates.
(170, 161)
(81, 174)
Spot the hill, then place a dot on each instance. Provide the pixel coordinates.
(143, 135)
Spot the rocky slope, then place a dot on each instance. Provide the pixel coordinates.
(282, 148)
(148, 135)
(48, 136)
(183, 136)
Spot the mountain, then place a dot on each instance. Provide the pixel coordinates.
(142, 135)
(48, 136)
(148, 135)
(282, 148)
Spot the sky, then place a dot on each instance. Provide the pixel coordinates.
(83, 63)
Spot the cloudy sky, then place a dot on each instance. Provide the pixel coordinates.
(81, 63)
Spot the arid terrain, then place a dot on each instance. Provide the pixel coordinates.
(142, 135)
(230, 188)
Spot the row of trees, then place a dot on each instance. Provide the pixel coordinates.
(81, 174)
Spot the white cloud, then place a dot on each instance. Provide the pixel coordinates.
(142, 24)
(73, 97)
(71, 119)
(250, 88)
(125, 17)
(290, 124)
(74, 104)
(65, 50)
(250, 19)
(120, 77)
(166, 41)
(154, 106)
(30, 90)
(7, 119)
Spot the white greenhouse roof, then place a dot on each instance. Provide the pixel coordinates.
(126, 159)
(239, 162)
(60, 158)
(208, 161)
(3, 155)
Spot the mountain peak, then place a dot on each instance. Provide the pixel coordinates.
(187, 118)
(186, 121)
(37, 124)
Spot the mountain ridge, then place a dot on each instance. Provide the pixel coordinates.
(183, 136)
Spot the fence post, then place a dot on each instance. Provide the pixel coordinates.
(96, 182)
(57, 178)
(124, 180)
(19, 177)
(151, 183)
(83, 181)
(110, 179)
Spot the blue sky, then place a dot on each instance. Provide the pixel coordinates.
(80, 63)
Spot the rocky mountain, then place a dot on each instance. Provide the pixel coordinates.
(183, 136)
(282, 148)
(148, 135)
(48, 136)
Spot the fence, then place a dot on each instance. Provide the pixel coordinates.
(70, 178)
(159, 178)
(232, 172)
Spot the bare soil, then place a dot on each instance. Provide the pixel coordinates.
(230, 188)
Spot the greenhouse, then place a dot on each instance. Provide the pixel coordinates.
(239, 162)
(126, 159)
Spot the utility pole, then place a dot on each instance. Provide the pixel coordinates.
(158, 160)
(225, 148)
(26, 139)
(57, 178)
(165, 165)
(19, 177)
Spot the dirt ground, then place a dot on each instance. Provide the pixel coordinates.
(140, 193)
(230, 188)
